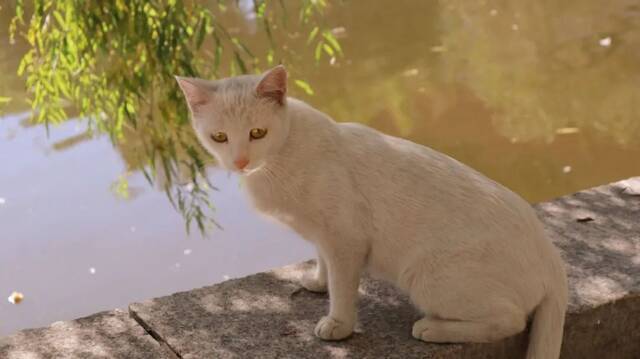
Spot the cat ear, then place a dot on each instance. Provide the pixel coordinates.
(273, 85)
(195, 91)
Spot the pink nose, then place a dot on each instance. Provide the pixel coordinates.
(241, 163)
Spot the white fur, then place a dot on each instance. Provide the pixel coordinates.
(470, 253)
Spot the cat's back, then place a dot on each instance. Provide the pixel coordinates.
(406, 161)
(400, 160)
(401, 181)
(404, 177)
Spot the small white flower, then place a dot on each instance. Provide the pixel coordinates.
(605, 42)
(566, 169)
(92, 270)
(2, 200)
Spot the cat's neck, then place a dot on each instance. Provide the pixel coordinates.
(302, 124)
(298, 110)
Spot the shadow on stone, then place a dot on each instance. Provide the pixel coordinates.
(110, 334)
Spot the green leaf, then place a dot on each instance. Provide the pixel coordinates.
(218, 54)
(313, 34)
(59, 18)
(245, 49)
(304, 86)
(318, 51)
(240, 62)
(5, 99)
(121, 188)
(260, 7)
(328, 49)
(202, 31)
(270, 57)
(332, 40)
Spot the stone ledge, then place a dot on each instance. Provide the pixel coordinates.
(266, 315)
(111, 334)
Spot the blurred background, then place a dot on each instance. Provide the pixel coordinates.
(106, 199)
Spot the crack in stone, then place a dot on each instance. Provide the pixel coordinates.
(155, 335)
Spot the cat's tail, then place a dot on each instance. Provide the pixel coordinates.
(545, 338)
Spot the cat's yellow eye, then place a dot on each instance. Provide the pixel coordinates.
(257, 133)
(219, 137)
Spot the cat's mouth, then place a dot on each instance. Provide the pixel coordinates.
(247, 171)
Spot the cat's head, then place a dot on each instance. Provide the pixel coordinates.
(239, 120)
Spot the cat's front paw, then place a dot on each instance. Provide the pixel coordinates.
(329, 328)
(313, 284)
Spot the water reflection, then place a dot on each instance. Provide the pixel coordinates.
(540, 66)
(520, 103)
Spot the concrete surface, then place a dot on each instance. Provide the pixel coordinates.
(111, 334)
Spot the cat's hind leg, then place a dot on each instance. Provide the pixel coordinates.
(482, 330)
(463, 304)
(316, 281)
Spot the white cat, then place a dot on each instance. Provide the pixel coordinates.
(470, 253)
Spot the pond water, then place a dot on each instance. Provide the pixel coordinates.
(540, 96)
